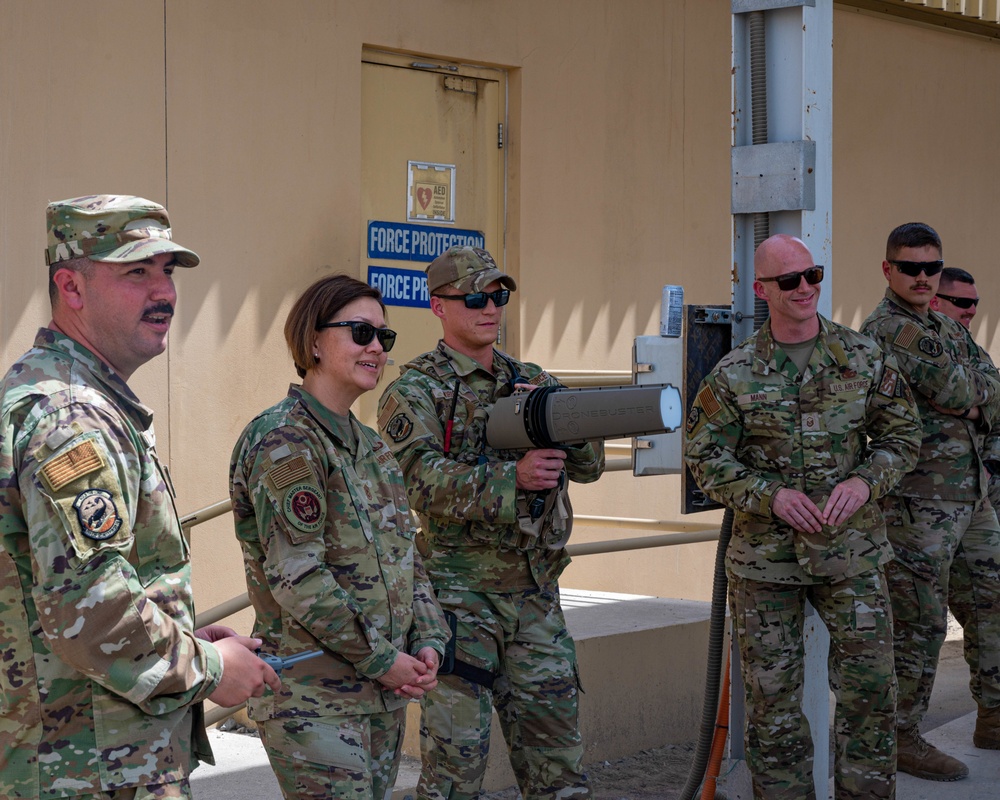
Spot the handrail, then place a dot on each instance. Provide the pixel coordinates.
(586, 378)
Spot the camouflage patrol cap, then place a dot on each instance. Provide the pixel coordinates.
(110, 227)
(468, 269)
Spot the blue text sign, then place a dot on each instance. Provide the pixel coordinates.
(400, 287)
(402, 241)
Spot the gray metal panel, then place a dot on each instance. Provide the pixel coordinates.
(745, 6)
(774, 177)
(660, 454)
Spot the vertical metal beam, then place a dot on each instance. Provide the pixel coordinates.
(799, 107)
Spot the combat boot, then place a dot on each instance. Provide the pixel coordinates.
(987, 735)
(918, 757)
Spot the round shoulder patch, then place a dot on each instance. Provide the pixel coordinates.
(304, 507)
(931, 346)
(399, 427)
(99, 518)
(692, 419)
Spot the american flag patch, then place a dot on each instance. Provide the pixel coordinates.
(291, 471)
(906, 336)
(709, 402)
(80, 460)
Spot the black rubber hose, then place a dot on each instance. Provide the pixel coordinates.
(713, 678)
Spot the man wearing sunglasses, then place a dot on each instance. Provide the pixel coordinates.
(495, 525)
(956, 296)
(942, 527)
(799, 430)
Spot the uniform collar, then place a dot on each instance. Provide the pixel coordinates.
(827, 351)
(54, 341)
(338, 426)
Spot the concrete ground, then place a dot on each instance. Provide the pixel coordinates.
(244, 774)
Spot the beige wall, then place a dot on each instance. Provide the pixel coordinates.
(916, 120)
(244, 116)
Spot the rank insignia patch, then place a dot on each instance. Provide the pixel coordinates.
(99, 518)
(304, 507)
(399, 427)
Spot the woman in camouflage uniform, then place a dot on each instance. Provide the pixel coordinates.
(322, 517)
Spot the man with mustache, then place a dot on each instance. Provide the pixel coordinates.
(103, 673)
(939, 519)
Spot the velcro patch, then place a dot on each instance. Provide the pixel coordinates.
(930, 346)
(82, 459)
(709, 402)
(97, 513)
(400, 427)
(305, 507)
(907, 336)
(287, 473)
(387, 411)
(888, 386)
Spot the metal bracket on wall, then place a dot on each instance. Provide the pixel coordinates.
(780, 176)
(706, 315)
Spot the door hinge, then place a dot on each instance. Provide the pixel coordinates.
(499, 136)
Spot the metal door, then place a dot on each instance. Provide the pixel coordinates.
(432, 172)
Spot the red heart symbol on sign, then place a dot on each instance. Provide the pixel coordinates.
(424, 197)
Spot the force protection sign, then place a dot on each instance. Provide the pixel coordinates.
(402, 241)
(400, 287)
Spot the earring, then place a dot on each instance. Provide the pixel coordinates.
(316, 356)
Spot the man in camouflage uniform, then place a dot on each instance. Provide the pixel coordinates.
(103, 677)
(940, 521)
(495, 525)
(958, 298)
(974, 577)
(799, 430)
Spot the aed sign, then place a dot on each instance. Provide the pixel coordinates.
(403, 241)
(400, 287)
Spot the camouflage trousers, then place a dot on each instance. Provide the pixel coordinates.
(354, 756)
(522, 639)
(179, 790)
(947, 555)
(769, 621)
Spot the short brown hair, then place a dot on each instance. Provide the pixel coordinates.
(318, 304)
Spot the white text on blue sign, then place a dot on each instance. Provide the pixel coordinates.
(400, 287)
(402, 241)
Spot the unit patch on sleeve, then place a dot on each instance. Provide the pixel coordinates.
(930, 346)
(97, 513)
(888, 386)
(399, 427)
(304, 507)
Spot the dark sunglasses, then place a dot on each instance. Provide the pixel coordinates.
(961, 302)
(478, 299)
(791, 281)
(364, 332)
(913, 268)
